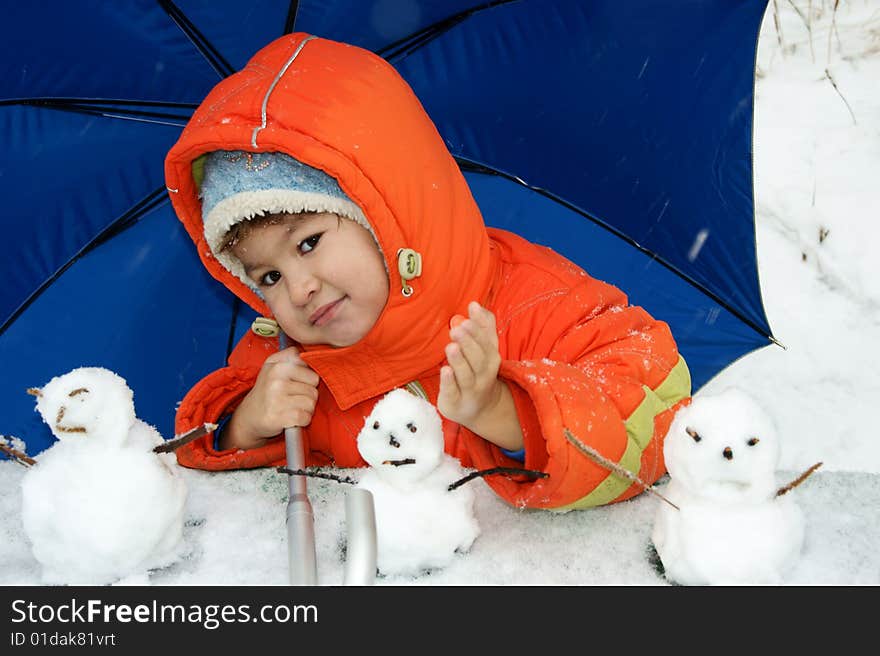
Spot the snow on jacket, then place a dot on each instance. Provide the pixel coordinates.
(575, 354)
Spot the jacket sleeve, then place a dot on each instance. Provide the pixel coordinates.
(606, 371)
(218, 394)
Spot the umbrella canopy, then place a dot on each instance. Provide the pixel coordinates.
(618, 134)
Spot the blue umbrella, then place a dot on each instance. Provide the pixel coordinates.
(617, 133)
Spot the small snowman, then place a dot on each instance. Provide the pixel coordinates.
(731, 526)
(100, 506)
(420, 522)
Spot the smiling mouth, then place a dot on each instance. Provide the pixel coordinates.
(67, 429)
(70, 429)
(398, 463)
(324, 313)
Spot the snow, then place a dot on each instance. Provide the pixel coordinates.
(235, 535)
(817, 150)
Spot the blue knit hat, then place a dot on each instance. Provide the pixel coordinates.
(239, 185)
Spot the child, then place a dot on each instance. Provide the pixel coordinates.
(316, 188)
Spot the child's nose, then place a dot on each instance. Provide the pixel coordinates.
(302, 288)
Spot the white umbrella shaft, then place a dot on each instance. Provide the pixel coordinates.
(360, 549)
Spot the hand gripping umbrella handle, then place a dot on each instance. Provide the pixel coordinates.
(301, 558)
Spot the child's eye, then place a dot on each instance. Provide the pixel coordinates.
(308, 244)
(270, 278)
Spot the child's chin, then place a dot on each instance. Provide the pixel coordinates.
(337, 342)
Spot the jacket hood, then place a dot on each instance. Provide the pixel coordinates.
(347, 112)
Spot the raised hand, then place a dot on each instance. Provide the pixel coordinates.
(471, 393)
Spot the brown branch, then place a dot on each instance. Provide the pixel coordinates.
(778, 27)
(178, 441)
(808, 25)
(799, 13)
(452, 486)
(833, 30)
(800, 479)
(315, 474)
(834, 84)
(496, 470)
(18, 456)
(613, 466)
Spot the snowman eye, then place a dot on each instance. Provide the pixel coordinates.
(412, 427)
(753, 441)
(694, 434)
(79, 390)
(375, 425)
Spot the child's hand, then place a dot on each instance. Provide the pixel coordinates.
(284, 395)
(469, 384)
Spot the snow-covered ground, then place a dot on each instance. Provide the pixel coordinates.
(817, 166)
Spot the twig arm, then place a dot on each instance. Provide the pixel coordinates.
(496, 470)
(18, 456)
(315, 474)
(180, 440)
(800, 479)
(594, 455)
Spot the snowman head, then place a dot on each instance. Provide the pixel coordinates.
(402, 438)
(89, 402)
(723, 447)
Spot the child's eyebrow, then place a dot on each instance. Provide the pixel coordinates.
(297, 224)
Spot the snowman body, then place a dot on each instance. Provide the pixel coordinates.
(730, 527)
(420, 523)
(100, 505)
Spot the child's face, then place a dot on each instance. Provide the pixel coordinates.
(322, 276)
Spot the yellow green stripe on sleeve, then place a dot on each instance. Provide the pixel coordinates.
(639, 431)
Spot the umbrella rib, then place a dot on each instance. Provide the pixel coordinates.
(408, 44)
(290, 21)
(476, 167)
(100, 101)
(95, 108)
(126, 220)
(222, 67)
(123, 222)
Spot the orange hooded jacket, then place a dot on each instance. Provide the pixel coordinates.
(575, 355)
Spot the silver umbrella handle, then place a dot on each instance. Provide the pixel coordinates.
(360, 523)
(360, 519)
(301, 557)
(302, 561)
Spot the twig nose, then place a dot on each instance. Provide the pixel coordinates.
(728, 453)
(393, 442)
